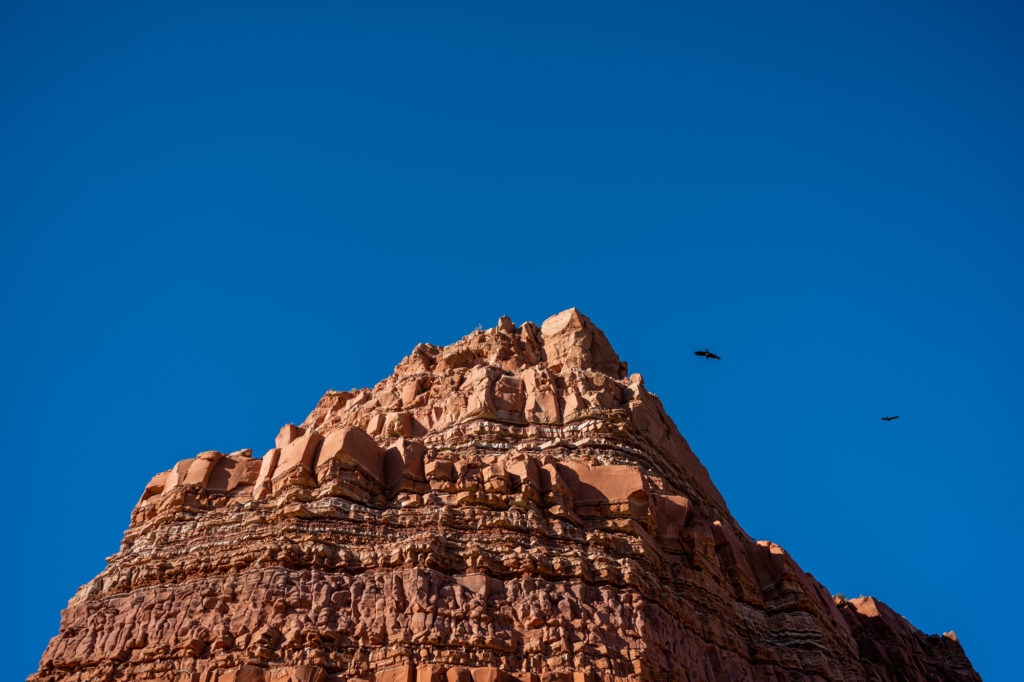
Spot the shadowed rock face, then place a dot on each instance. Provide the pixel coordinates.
(513, 506)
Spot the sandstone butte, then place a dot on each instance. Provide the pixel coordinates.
(512, 507)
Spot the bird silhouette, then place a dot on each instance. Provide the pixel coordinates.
(708, 355)
(889, 419)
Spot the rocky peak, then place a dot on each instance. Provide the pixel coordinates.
(571, 340)
(568, 340)
(564, 375)
(511, 507)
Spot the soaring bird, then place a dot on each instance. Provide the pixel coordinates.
(889, 419)
(708, 355)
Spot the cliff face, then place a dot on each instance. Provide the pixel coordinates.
(514, 506)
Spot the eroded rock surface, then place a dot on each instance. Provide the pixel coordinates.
(512, 507)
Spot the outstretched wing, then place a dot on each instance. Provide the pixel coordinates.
(699, 352)
(713, 356)
(889, 419)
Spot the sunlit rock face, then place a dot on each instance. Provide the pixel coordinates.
(512, 507)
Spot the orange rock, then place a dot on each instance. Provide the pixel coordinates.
(156, 485)
(459, 674)
(353, 446)
(429, 673)
(671, 514)
(287, 434)
(232, 472)
(572, 340)
(176, 476)
(200, 470)
(403, 673)
(299, 452)
(509, 508)
(602, 484)
(489, 674)
(404, 458)
(267, 467)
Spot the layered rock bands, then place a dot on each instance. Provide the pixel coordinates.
(512, 507)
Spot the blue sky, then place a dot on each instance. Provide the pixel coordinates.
(213, 212)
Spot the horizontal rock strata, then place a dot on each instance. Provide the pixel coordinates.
(513, 507)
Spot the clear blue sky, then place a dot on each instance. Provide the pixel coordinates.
(213, 212)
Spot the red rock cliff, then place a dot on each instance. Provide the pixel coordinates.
(515, 506)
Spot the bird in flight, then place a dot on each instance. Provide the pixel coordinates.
(889, 419)
(708, 355)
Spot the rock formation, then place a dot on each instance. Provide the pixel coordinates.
(512, 507)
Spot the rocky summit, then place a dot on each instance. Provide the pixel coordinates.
(513, 507)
